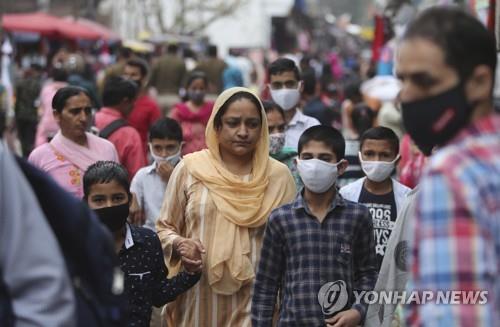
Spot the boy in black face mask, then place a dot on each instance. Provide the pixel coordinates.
(106, 190)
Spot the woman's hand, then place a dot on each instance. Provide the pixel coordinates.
(190, 251)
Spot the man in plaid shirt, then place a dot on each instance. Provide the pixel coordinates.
(319, 249)
(447, 62)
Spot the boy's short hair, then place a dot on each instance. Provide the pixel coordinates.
(380, 133)
(103, 172)
(116, 89)
(331, 137)
(166, 128)
(270, 106)
(139, 63)
(281, 65)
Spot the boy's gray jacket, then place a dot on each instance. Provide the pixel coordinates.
(394, 271)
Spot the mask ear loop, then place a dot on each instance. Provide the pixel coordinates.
(396, 159)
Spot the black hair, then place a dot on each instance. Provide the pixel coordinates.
(188, 53)
(117, 89)
(464, 40)
(309, 81)
(194, 75)
(172, 48)
(270, 106)
(36, 67)
(352, 90)
(281, 65)
(235, 97)
(63, 94)
(381, 133)
(212, 50)
(166, 128)
(59, 74)
(125, 52)
(331, 137)
(103, 172)
(139, 63)
(362, 118)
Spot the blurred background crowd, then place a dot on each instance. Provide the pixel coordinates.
(345, 51)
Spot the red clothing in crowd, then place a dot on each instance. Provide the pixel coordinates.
(193, 125)
(146, 111)
(412, 163)
(126, 139)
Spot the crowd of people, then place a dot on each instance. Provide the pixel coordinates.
(273, 205)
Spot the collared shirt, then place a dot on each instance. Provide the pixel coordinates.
(126, 140)
(300, 255)
(149, 189)
(457, 232)
(296, 127)
(146, 283)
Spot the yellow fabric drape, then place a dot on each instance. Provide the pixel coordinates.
(240, 204)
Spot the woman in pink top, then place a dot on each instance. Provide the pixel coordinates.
(193, 114)
(72, 150)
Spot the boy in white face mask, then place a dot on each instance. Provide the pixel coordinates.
(384, 196)
(285, 87)
(317, 246)
(150, 182)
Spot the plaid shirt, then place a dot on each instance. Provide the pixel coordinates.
(300, 255)
(457, 234)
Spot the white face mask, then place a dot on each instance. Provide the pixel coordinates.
(286, 98)
(173, 159)
(276, 142)
(377, 171)
(318, 175)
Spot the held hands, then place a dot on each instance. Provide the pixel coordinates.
(348, 318)
(164, 169)
(190, 251)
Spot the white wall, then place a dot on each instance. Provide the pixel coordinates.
(249, 26)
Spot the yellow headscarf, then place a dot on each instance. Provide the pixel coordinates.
(240, 204)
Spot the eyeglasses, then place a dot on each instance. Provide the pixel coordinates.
(291, 84)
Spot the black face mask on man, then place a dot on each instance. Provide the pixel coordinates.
(113, 217)
(436, 120)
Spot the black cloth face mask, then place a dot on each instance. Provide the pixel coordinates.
(114, 217)
(435, 120)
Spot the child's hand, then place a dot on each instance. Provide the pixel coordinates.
(165, 169)
(136, 214)
(190, 251)
(348, 318)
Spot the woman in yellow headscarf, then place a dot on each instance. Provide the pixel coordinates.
(215, 209)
